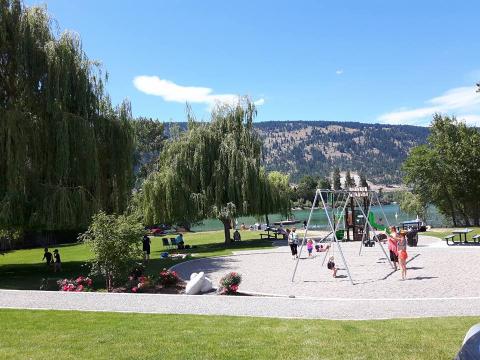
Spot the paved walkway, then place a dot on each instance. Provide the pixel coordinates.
(335, 309)
(442, 281)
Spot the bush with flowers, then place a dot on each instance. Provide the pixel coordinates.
(80, 284)
(141, 284)
(168, 278)
(229, 284)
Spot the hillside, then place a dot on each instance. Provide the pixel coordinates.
(316, 147)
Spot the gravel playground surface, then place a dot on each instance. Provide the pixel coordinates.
(442, 281)
(434, 270)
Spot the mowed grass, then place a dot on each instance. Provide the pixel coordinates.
(33, 334)
(23, 269)
(442, 233)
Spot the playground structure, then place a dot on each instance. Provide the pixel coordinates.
(349, 210)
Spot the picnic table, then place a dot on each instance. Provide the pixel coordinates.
(461, 232)
(268, 236)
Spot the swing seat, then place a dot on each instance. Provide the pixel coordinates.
(340, 234)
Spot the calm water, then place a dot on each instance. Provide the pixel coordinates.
(319, 219)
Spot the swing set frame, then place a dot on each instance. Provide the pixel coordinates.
(336, 218)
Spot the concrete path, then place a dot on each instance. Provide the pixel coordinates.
(335, 309)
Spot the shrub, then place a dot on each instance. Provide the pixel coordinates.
(140, 284)
(168, 278)
(80, 284)
(115, 243)
(229, 283)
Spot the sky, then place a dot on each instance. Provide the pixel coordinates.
(394, 62)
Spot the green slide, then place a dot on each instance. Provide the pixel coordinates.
(371, 220)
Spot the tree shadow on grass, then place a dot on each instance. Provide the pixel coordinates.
(29, 276)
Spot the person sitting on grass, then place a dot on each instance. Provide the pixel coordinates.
(237, 236)
(48, 257)
(179, 241)
(331, 266)
(57, 266)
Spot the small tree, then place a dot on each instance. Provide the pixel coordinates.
(337, 184)
(362, 181)
(115, 243)
(349, 181)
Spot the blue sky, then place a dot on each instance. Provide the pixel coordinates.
(369, 61)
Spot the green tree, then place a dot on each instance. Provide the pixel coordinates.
(307, 187)
(445, 171)
(362, 181)
(115, 244)
(337, 184)
(413, 204)
(65, 153)
(149, 139)
(213, 170)
(349, 181)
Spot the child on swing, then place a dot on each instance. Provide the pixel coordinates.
(331, 266)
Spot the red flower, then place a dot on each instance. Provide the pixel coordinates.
(65, 288)
(134, 289)
(89, 282)
(79, 288)
(79, 279)
(234, 288)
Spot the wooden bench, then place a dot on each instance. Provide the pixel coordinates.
(450, 238)
(476, 238)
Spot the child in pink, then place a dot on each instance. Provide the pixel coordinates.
(309, 247)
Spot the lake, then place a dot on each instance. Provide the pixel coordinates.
(319, 219)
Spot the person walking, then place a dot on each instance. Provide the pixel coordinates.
(402, 253)
(48, 257)
(293, 242)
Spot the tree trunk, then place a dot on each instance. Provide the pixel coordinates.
(266, 219)
(226, 229)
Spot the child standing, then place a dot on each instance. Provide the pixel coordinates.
(57, 266)
(309, 247)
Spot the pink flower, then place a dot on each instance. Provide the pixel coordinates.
(234, 288)
(134, 289)
(79, 288)
(65, 288)
(79, 279)
(89, 282)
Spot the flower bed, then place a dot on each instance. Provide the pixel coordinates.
(80, 284)
(167, 282)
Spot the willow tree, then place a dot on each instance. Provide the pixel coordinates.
(213, 170)
(64, 152)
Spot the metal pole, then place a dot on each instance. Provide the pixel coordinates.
(383, 212)
(338, 244)
(364, 232)
(375, 234)
(305, 234)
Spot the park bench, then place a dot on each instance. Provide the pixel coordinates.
(451, 238)
(476, 238)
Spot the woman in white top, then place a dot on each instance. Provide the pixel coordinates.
(293, 242)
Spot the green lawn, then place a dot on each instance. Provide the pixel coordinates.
(30, 334)
(442, 234)
(23, 269)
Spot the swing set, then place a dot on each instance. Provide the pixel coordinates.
(339, 222)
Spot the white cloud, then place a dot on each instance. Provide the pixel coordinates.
(260, 102)
(339, 72)
(464, 102)
(169, 91)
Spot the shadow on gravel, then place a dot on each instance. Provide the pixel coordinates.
(207, 265)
